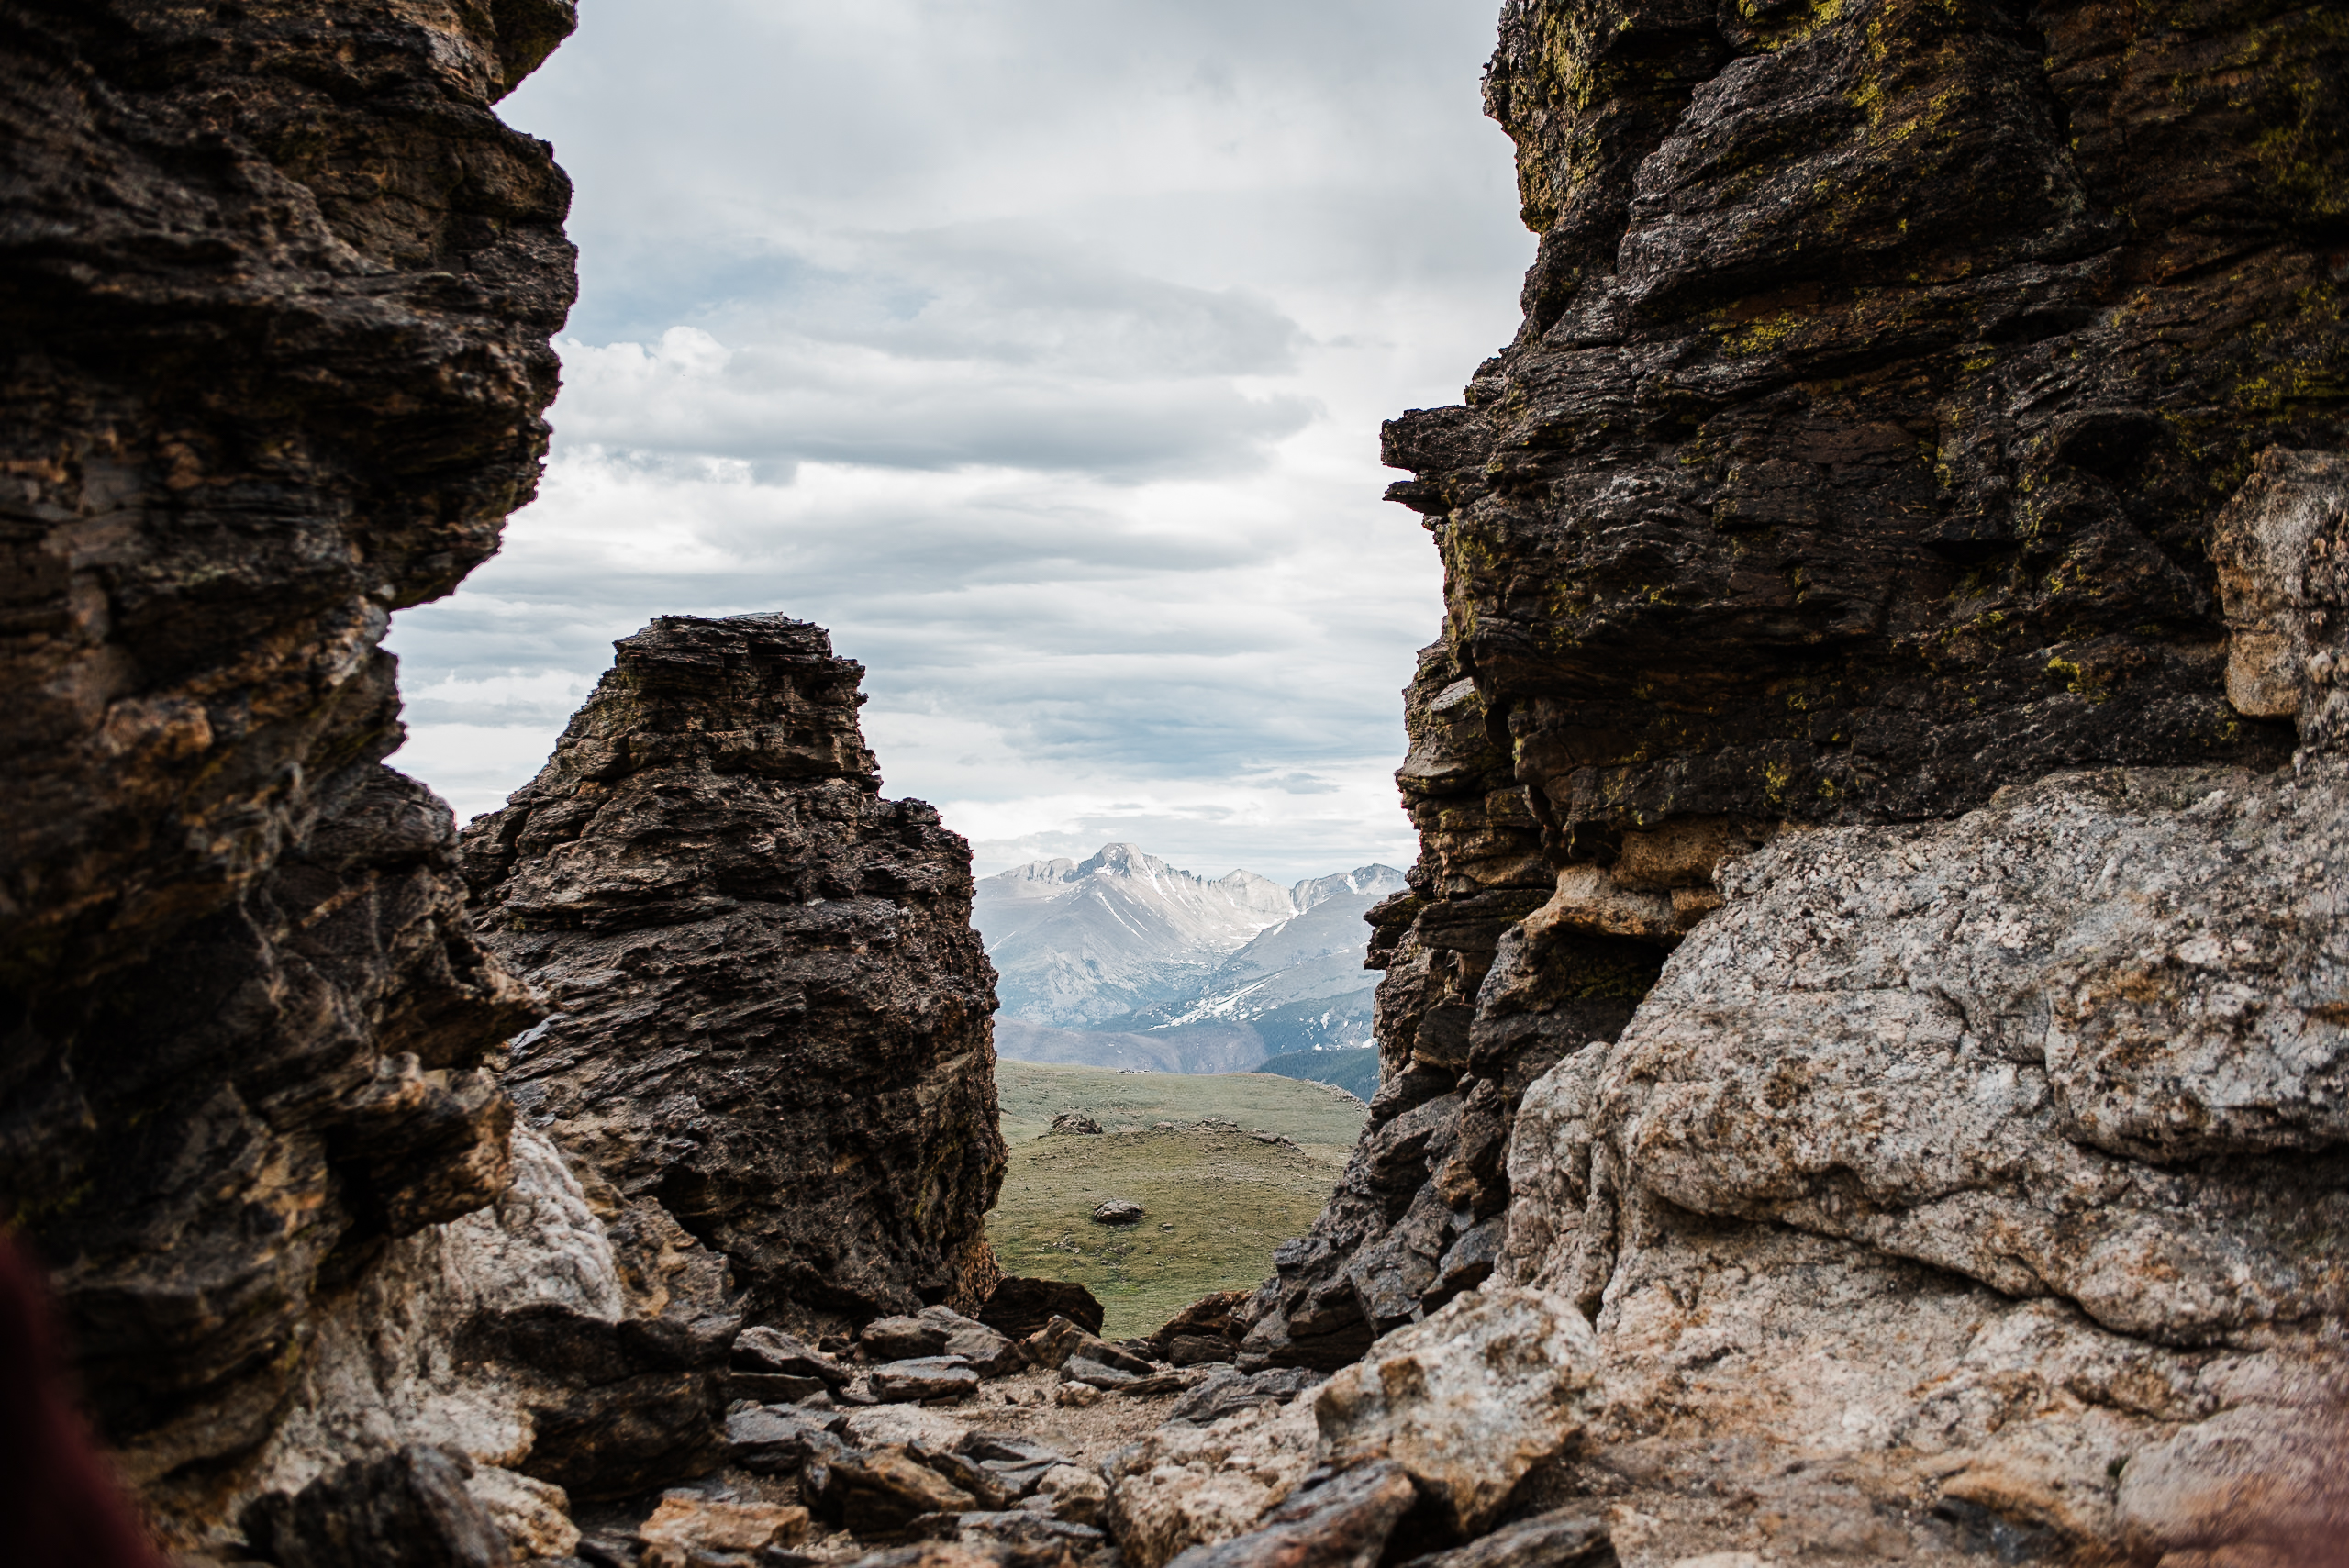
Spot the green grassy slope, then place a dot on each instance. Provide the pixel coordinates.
(1229, 1200)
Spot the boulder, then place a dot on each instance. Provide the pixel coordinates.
(409, 1509)
(1062, 1341)
(1020, 1307)
(1467, 1401)
(1117, 1211)
(923, 1377)
(1343, 1522)
(1181, 1487)
(1074, 1122)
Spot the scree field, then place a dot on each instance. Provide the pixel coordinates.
(1216, 1199)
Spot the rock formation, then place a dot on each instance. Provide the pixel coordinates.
(1921, 413)
(773, 1034)
(278, 287)
(1883, 375)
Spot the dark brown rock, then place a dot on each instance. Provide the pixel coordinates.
(1206, 1330)
(774, 1025)
(278, 287)
(408, 1509)
(1020, 1307)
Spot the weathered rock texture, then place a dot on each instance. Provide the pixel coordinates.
(1886, 370)
(278, 287)
(1992, 1171)
(774, 1025)
(1922, 412)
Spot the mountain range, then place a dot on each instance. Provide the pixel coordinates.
(1122, 959)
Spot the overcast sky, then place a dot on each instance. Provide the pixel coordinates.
(1037, 348)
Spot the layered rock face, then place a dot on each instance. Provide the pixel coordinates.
(1921, 413)
(775, 1025)
(278, 287)
(1884, 374)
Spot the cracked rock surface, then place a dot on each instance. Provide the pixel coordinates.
(774, 1032)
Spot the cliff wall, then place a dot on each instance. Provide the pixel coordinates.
(1921, 413)
(277, 287)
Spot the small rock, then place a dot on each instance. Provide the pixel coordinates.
(1342, 1523)
(771, 1350)
(684, 1525)
(902, 1339)
(1176, 1381)
(772, 1387)
(1229, 1391)
(1566, 1537)
(1074, 1494)
(1117, 1211)
(1020, 1307)
(1015, 1463)
(1022, 1527)
(534, 1515)
(925, 1377)
(770, 1441)
(1467, 1400)
(905, 1425)
(1076, 1395)
(1074, 1122)
(1062, 1341)
(990, 1352)
(889, 1490)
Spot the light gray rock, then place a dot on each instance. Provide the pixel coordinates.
(1466, 1401)
(902, 1337)
(1990, 1046)
(1994, 1165)
(924, 1377)
(1183, 1487)
(1117, 1211)
(990, 1352)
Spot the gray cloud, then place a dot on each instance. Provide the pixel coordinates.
(1038, 350)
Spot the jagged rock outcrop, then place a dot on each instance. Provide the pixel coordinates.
(278, 288)
(1914, 403)
(773, 1034)
(1885, 371)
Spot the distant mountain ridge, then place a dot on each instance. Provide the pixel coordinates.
(1124, 959)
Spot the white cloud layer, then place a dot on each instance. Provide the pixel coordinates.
(1037, 349)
